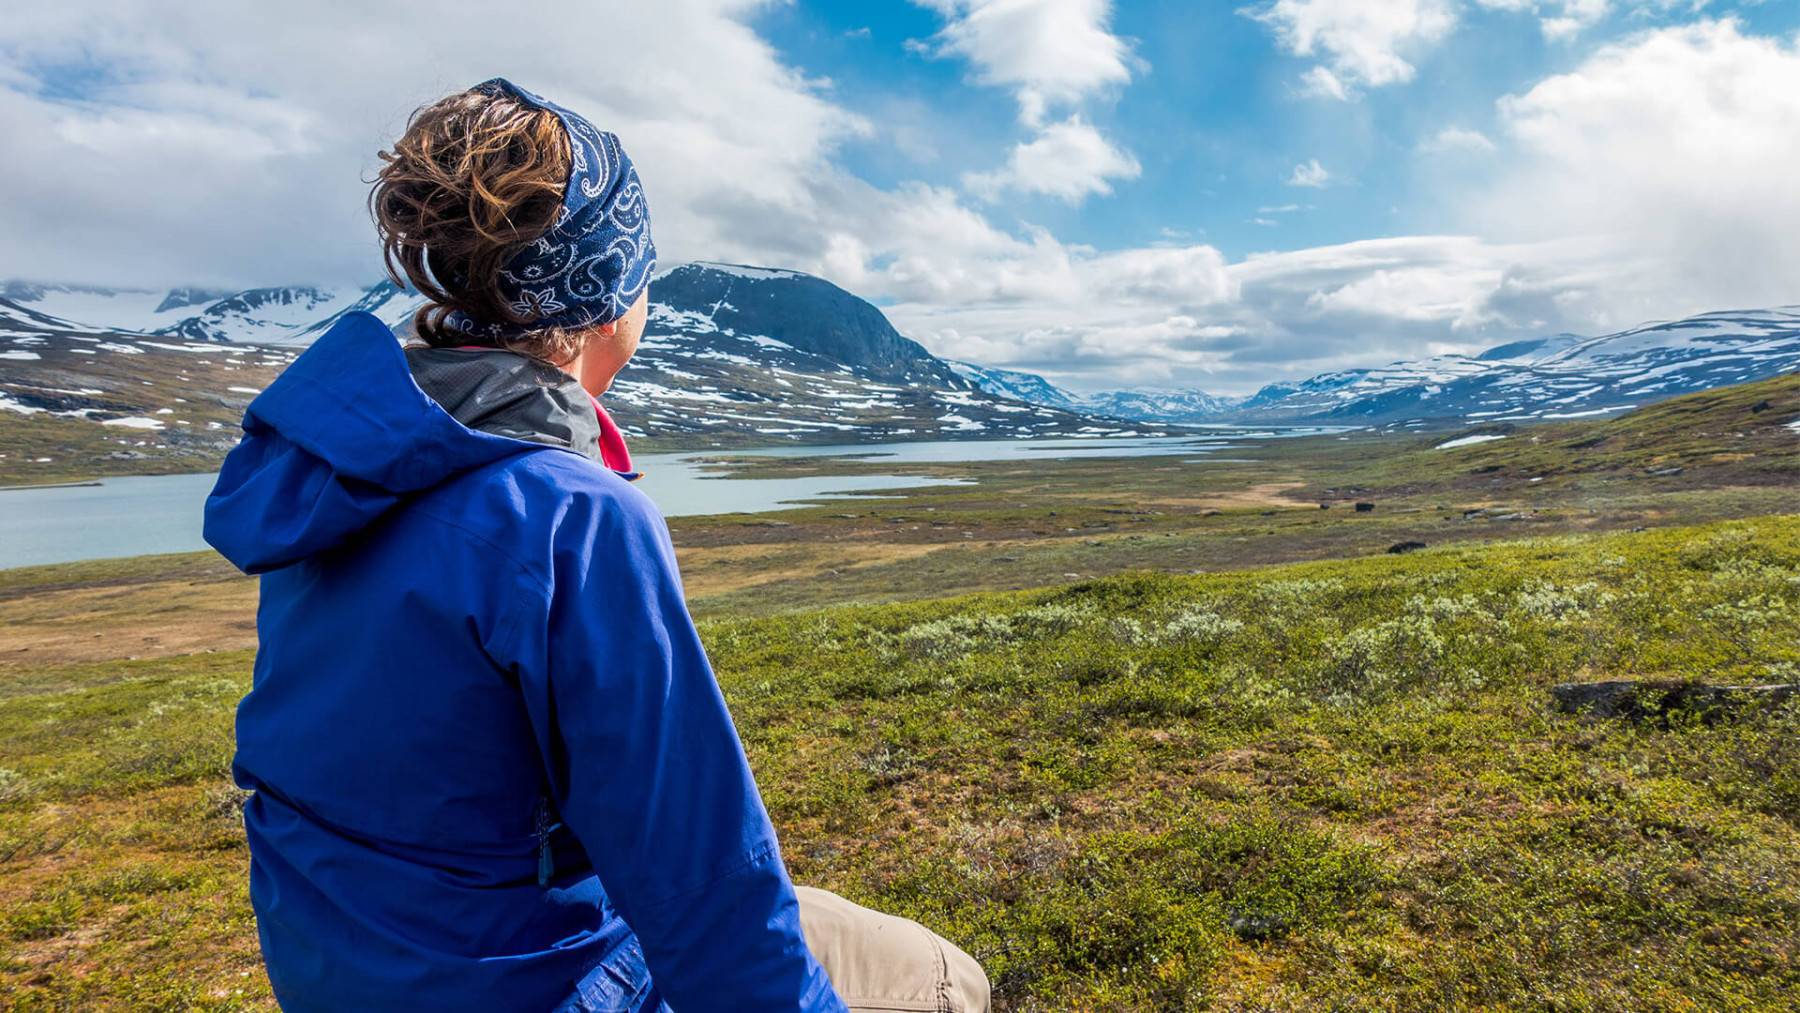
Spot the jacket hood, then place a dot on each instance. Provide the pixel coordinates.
(340, 438)
(509, 394)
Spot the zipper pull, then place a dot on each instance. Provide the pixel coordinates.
(546, 861)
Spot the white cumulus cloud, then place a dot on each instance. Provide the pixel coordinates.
(1359, 42)
(210, 143)
(1457, 139)
(1677, 145)
(1310, 173)
(1564, 19)
(1049, 52)
(1067, 160)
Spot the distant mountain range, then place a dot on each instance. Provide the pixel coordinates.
(737, 355)
(1557, 377)
(1146, 404)
(732, 356)
(257, 316)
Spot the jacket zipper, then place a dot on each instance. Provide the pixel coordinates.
(546, 860)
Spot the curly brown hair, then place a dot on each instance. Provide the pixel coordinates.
(476, 177)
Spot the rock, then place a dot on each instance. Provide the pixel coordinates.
(1209, 513)
(1324, 506)
(1664, 472)
(1006, 559)
(1759, 407)
(767, 524)
(848, 517)
(1270, 513)
(1256, 926)
(1658, 700)
(1365, 507)
(1399, 547)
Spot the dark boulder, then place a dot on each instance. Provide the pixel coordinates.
(1256, 926)
(1661, 700)
(1363, 508)
(1400, 547)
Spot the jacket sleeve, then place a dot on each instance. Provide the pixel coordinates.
(647, 770)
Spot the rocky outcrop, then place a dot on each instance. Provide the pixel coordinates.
(1662, 700)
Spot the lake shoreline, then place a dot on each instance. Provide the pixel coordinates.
(135, 515)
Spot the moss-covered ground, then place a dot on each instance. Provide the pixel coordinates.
(1315, 776)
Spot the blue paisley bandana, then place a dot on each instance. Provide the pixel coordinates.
(596, 260)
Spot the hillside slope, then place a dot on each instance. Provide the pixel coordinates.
(1740, 436)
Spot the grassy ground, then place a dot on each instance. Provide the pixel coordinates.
(1314, 776)
(1332, 783)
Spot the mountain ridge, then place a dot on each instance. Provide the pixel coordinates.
(792, 314)
(1553, 377)
(731, 357)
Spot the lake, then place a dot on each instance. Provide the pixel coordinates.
(144, 515)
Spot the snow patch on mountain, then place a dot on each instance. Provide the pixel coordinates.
(1468, 441)
(1142, 405)
(1020, 386)
(744, 271)
(278, 315)
(114, 309)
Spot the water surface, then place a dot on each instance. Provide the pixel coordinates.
(143, 515)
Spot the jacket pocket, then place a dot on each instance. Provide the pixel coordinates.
(619, 985)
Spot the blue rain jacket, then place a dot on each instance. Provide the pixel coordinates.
(492, 769)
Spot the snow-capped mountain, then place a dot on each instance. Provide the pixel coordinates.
(1142, 404)
(1020, 386)
(262, 316)
(737, 354)
(1559, 376)
(733, 356)
(1155, 405)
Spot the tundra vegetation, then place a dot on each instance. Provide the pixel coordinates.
(1315, 775)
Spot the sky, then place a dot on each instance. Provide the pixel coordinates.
(1140, 193)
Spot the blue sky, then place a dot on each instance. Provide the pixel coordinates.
(1211, 195)
(1215, 114)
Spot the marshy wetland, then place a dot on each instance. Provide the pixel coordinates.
(1140, 734)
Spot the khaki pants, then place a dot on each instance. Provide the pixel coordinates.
(879, 963)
